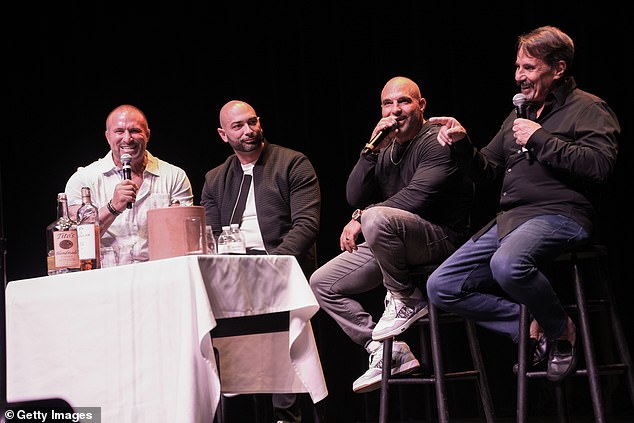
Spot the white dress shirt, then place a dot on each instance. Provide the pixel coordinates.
(162, 184)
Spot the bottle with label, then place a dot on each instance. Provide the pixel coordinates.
(239, 246)
(88, 234)
(225, 241)
(211, 240)
(61, 240)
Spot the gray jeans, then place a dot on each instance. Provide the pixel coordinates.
(395, 240)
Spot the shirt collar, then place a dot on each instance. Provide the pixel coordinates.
(559, 94)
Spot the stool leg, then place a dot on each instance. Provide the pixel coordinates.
(386, 372)
(439, 373)
(425, 357)
(478, 364)
(425, 353)
(588, 346)
(522, 393)
(560, 397)
(219, 417)
(619, 337)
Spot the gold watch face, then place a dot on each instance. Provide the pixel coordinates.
(357, 214)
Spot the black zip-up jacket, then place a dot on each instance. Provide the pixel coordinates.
(288, 201)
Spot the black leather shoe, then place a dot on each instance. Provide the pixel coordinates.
(561, 360)
(540, 353)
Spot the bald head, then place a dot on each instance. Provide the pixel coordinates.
(240, 127)
(232, 109)
(127, 112)
(401, 84)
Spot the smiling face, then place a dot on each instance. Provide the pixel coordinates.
(535, 77)
(542, 62)
(127, 132)
(401, 98)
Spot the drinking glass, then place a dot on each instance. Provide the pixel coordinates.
(193, 235)
(109, 257)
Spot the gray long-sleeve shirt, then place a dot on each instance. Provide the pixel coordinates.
(426, 181)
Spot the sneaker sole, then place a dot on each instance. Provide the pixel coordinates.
(406, 368)
(396, 331)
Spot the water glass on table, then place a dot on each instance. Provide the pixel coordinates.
(109, 257)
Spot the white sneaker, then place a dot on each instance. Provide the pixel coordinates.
(399, 315)
(403, 361)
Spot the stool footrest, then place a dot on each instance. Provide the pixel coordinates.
(605, 369)
(414, 379)
(442, 318)
(591, 306)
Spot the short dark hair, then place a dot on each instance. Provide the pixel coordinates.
(549, 44)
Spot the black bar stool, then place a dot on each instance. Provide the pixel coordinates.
(436, 375)
(587, 258)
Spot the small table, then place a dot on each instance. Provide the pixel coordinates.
(135, 339)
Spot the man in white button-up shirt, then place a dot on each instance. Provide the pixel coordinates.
(154, 183)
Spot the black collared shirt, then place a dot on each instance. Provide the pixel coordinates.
(569, 157)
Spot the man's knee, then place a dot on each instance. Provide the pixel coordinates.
(317, 285)
(372, 217)
(377, 222)
(433, 290)
(506, 271)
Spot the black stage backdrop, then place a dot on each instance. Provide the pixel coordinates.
(314, 72)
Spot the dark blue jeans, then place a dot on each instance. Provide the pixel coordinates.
(461, 284)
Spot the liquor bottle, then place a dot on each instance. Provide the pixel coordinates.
(88, 233)
(61, 240)
(211, 240)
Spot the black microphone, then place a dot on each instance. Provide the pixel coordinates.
(380, 136)
(521, 110)
(127, 170)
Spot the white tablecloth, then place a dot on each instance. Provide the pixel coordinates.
(134, 340)
(280, 362)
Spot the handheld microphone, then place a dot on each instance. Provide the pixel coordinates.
(519, 101)
(521, 110)
(127, 170)
(380, 136)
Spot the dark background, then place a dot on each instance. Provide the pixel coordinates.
(313, 71)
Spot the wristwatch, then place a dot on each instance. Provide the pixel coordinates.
(356, 215)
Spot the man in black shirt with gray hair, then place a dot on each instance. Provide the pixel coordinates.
(549, 163)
